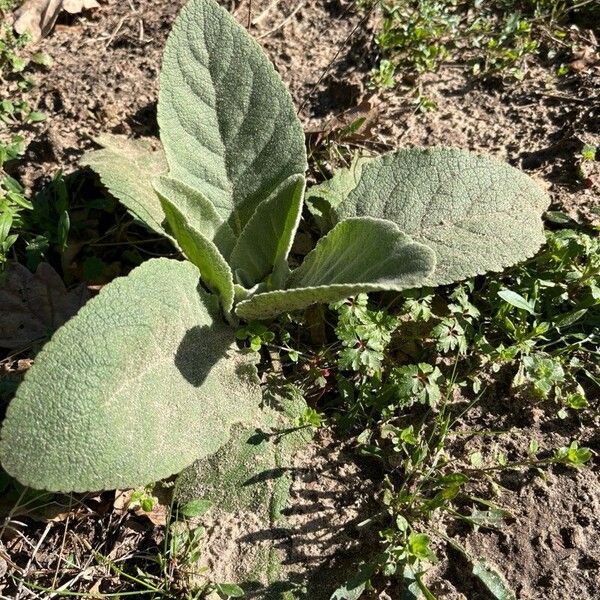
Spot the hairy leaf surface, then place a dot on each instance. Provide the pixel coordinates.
(127, 167)
(125, 393)
(227, 123)
(247, 483)
(214, 270)
(265, 242)
(198, 212)
(321, 198)
(476, 213)
(358, 255)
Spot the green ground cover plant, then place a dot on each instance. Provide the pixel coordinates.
(16, 113)
(16, 66)
(389, 368)
(492, 38)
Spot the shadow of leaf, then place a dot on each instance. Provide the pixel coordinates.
(199, 350)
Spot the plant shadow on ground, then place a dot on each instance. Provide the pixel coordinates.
(342, 86)
(326, 529)
(143, 122)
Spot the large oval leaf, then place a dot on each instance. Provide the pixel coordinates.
(227, 123)
(358, 255)
(142, 382)
(477, 213)
(126, 167)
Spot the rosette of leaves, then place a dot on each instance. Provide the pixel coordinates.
(146, 379)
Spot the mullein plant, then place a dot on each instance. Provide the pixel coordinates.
(147, 378)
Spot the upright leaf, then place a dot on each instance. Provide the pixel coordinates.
(214, 270)
(197, 211)
(357, 255)
(127, 167)
(478, 214)
(126, 392)
(227, 123)
(321, 198)
(265, 242)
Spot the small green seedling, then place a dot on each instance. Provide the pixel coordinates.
(147, 378)
(13, 201)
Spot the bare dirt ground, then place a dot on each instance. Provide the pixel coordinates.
(104, 78)
(107, 63)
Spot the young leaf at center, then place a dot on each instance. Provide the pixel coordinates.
(266, 240)
(202, 252)
(358, 255)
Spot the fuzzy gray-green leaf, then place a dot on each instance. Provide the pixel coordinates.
(247, 483)
(126, 167)
(227, 123)
(477, 213)
(199, 213)
(124, 393)
(265, 242)
(322, 198)
(203, 253)
(358, 255)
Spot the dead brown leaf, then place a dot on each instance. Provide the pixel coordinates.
(34, 305)
(353, 125)
(158, 514)
(37, 17)
(94, 591)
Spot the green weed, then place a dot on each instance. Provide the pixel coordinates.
(12, 201)
(6, 5)
(16, 114)
(493, 39)
(389, 371)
